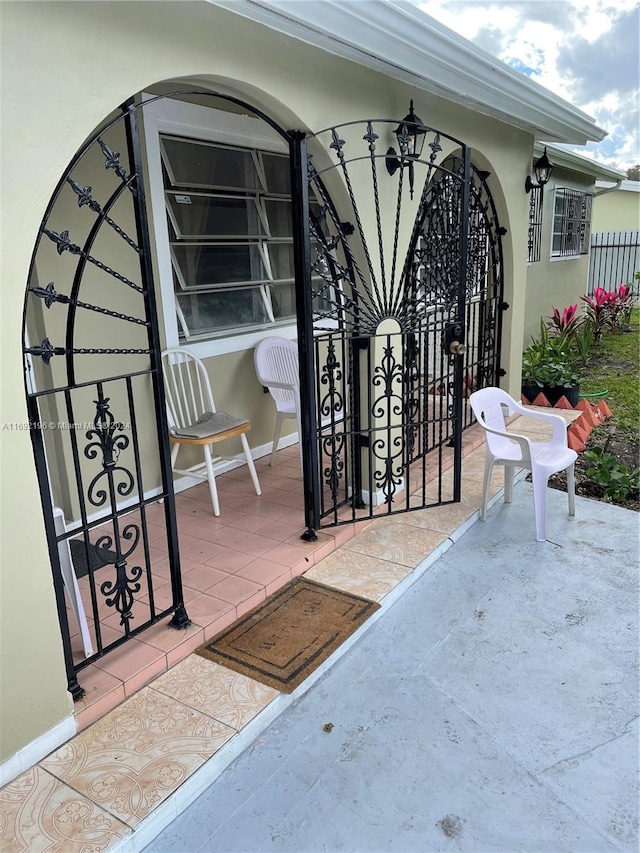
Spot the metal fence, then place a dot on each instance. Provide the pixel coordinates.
(615, 258)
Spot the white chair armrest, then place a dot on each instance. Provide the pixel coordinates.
(286, 385)
(557, 423)
(522, 440)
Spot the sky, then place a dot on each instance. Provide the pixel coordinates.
(585, 51)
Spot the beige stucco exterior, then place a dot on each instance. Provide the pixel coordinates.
(555, 282)
(66, 67)
(618, 210)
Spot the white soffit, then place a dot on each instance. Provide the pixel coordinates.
(396, 38)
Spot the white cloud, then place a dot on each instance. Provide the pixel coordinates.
(586, 51)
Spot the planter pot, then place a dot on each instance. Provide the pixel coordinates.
(553, 393)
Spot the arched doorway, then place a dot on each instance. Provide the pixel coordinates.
(95, 395)
(383, 285)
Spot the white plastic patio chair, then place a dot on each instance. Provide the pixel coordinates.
(194, 421)
(276, 364)
(542, 458)
(71, 582)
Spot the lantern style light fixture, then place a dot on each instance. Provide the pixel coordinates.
(543, 168)
(411, 133)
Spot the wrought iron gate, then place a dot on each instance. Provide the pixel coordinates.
(399, 316)
(96, 410)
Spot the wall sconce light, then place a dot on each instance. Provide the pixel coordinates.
(543, 168)
(411, 133)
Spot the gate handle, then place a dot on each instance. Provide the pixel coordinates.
(456, 348)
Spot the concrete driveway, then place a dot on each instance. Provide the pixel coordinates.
(494, 707)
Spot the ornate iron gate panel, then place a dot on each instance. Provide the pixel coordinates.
(96, 403)
(392, 289)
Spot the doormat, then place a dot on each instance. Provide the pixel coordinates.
(283, 640)
(98, 557)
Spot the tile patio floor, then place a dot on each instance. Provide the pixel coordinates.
(156, 713)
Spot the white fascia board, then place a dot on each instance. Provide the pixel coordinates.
(578, 163)
(625, 186)
(396, 38)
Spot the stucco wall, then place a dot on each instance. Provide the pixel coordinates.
(65, 67)
(554, 282)
(617, 211)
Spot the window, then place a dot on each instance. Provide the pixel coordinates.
(230, 236)
(219, 188)
(571, 223)
(534, 242)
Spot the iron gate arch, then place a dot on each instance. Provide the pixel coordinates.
(352, 373)
(386, 284)
(91, 419)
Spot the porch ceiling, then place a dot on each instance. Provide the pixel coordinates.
(396, 38)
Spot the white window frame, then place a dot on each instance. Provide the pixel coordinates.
(575, 257)
(166, 115)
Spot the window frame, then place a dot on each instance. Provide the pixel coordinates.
(180, 118)
(581, 223)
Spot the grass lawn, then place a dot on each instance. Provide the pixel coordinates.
(614, 365)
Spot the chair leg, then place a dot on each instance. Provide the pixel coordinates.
(486, 481)
(250, 465)
(540, 503)
(571, 489)
(509, 472)
(276, 438)
(213, 489)
(175, 449)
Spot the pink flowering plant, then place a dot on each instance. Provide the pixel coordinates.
(609, 309)
(572, 329)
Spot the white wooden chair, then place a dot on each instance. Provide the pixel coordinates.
(276, 364)
(194, 421)
(542, 458)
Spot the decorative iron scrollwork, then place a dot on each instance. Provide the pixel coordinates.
(332, 407)
(389, 447)
(50, 295)
(85, 198)
(112, 161)
(64, 244)
(110, 446)
(119, 592)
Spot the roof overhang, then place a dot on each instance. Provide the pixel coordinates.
(625, 186)
(577, 163)
(397, 39)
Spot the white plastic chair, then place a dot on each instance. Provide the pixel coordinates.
(276, 364)
(71, 582)
(194, 421)
(542, 458)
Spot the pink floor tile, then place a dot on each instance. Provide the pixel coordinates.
(231, 561)
(249, 603)
(199, 550)
(289, 555)
(255, 544)
(234, 589)
(133, 660)
(265, 573)
(167, 639)
(208, 613)
(202, 577)
(250, 524)
(282, 531)
(103, 692)
(273, 511)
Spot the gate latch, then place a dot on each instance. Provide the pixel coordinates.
(453, 339)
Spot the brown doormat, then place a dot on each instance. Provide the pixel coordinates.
(283, 640)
